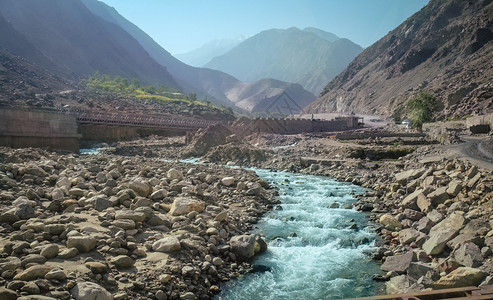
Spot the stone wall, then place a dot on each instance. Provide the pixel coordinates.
(291, 126)
(20, 129)
(480, 120)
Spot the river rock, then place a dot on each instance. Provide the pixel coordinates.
(23, 208)
(56, 274)
(454, 187)
(96, 267)
(228, 181)
(125, 224)
(184, 205)
(460, 277)
(167, 244)
(398, 263)
(140, 187)
(410, 201)
(34, 272)
(469, 255)
(401, 284)
(100, 203)
(82, 243)
(131, 215)
(243, 246)
(221, 216)
(122, 262)
(90, 291)
(159, 194)
(443, 232)
(9, 263)
(35, 171)
(7, 294)
(50, 251)
(408, 235)
(390, 222)
(438, 196)
(174, 174)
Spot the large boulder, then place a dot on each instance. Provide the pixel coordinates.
(90, 291)
(402, 284)
(438, 196)
(184, 205)
(469, 255)
(443, 232)
(243, 246)
(398, 263)
(460, 277)
(140, 187)
(404, 176)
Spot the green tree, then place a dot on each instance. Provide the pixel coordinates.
(421, 108)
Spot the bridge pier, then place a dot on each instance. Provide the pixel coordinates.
(22, 129)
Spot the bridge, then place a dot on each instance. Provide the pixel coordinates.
(136, 120)
(63, 128)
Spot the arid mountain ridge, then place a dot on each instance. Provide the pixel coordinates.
(74, 39)
(445, 49)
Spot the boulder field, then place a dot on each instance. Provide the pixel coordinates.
(123, 227)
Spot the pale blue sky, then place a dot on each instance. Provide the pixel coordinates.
(183, 25)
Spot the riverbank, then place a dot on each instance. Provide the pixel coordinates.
(124, 227)
(111, 218)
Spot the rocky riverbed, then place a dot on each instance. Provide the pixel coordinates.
(127, 224)
(123, 227)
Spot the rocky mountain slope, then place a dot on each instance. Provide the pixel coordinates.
(445, 49)
(310, 57)
(218, 87)
(22, 81)
(80, 43)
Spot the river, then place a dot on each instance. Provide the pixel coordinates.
(316, 244)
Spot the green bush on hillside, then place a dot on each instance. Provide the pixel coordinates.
(421, 108)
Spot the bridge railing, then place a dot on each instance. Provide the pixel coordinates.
(105, 118)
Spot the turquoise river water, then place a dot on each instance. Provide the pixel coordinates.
(315, 252)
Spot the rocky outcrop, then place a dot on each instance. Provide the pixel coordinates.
(204, 139)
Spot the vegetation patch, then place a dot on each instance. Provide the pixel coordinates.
(421, 108)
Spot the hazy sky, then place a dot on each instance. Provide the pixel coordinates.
(183, 25)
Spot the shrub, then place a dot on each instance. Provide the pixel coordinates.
(421, 108)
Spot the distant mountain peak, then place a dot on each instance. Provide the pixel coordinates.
(310, 57)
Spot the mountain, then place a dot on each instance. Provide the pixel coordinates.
(75, 39)
(65, 37)
(204, 54)
(310, 57)
(21, 81)
(271, 96)
(214, 85)
(445, 49)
